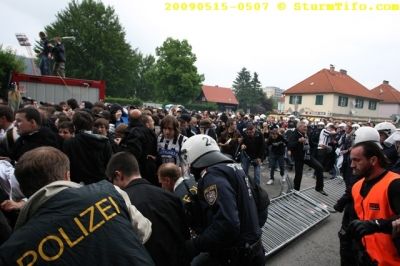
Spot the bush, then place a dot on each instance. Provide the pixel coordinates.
(201, 106)
(124, 101)
(8, 62)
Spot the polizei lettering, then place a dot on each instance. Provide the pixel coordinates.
(86, 223)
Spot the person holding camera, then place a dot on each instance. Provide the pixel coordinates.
(45, 54)
(252, 151)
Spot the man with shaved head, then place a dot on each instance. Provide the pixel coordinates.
(134, 114)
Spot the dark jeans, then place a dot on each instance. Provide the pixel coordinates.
(274, 161)
(313, 163)
(246, 162)
(44, 65)
(348, 255)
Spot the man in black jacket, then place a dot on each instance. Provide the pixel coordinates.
(59, 58)
(141, 141)
(299, 146)
(252, 151)
(32, 134)
(162, 208)
(88, 153)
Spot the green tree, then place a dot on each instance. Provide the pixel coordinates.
(99, 50)
(248, 90)
(241, 87)
(9, 62)
(267, 104)
(257, 95)
(177, 78)
(146, 81)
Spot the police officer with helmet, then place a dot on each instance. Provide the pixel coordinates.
(231, 232)
(385, 130)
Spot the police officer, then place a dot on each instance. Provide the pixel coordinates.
(231, 233)
(64, 223)
(385, 130)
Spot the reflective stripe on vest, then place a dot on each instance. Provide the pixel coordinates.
(376, 205)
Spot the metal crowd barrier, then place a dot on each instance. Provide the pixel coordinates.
(290, 216)
(294, 213)
(335, 189)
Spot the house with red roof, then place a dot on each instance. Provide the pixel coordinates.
(223, 97)
(331, 93)
(390, 100)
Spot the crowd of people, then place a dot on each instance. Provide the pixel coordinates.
(146, 186)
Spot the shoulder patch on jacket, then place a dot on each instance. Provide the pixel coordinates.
(211, 194)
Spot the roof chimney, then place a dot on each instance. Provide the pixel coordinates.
(331, 67)
(344, 72)
(386, 82)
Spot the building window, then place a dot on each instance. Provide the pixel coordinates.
(359, 103)
(343, 101)
(295, 99)
(319, 99)
(372, 105)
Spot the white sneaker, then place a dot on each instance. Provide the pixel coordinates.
(270, 182)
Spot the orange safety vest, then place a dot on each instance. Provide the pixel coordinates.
(376, 205)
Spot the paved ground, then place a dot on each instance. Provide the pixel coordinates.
(319, 246)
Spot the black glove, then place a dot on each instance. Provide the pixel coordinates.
(338, 207)
(358, 228)
(190, 250)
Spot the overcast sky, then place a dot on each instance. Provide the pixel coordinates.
(283, 47)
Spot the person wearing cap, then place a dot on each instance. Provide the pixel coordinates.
(116, 112)
(206, 128)
(376, 197)
(184, 125)
(231, 232)
(45, 54)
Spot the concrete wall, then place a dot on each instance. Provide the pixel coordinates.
(388, 109)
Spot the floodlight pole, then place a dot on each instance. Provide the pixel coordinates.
(24, 41)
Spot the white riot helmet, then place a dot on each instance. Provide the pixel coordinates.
(355, 126)
(200, 151)
(386, 127)
(364, 134)
(392, 139)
